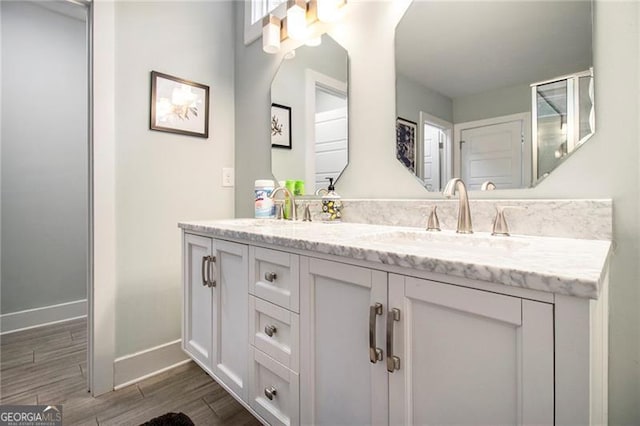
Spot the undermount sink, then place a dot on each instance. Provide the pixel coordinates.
(445, 241)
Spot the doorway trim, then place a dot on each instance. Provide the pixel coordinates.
(102, 200)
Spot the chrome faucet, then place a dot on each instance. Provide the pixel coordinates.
(464, 213)
(488, 186)
(294, 215)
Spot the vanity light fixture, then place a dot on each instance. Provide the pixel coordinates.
(271, 34)
(297, 19)
(301, 14)
(330, 10)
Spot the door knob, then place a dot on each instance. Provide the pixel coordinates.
(270, 276)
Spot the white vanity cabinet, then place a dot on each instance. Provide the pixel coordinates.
(215, 313)
(300, 337)
(197, 321)
(467, 356)
(341, 318)
(442, 354)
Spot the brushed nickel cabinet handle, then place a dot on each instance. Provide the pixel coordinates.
(205, 279)
(270, 392)
(375, 353)
(212, 271)
(270, 330)
(393, 362)
(270, 276)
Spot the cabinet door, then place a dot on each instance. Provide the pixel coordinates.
(230, 315)
(339, 384)
(469, 356)
(197, 309)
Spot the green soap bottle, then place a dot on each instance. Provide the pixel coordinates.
(290, 184)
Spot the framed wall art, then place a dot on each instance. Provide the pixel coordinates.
(280, 126)
(406, 143)
(179, 106)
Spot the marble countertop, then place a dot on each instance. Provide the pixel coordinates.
(574, 267)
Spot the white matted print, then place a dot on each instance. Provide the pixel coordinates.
(179, 106)
(280, 126)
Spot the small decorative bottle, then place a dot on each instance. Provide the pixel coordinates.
(331, 204)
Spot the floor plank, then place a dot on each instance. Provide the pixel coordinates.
(48, 365)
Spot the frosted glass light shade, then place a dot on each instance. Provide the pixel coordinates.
(297, 20)
(271, 35)
(329, 10)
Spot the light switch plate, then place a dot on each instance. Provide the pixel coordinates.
(227, 177)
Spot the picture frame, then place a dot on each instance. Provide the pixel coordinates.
(406, 131)
(280, 126)
(179, 106)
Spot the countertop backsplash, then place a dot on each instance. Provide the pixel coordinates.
(584, 219)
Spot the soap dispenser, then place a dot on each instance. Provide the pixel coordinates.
(331, 204)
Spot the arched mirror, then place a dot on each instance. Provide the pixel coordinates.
(495, 91)
(309, 115)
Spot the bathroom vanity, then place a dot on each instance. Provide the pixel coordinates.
(314, 323)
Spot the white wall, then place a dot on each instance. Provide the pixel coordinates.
(607, 166)
(45, 158)
(162, 178)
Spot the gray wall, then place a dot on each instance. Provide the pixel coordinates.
(413, 97)
(495, 103)
(605, 167)
(44, 161)
(161, 177)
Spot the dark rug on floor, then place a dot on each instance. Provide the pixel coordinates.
(170, 419)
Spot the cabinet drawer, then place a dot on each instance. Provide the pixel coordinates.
(273, 390)
(274, 276)
(275, 331)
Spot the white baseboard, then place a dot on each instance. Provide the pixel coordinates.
(31, 318)
(133, 368)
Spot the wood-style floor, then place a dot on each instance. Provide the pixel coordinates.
(47, 365)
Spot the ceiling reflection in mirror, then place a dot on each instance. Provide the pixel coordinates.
(498, 92)
(309, 119)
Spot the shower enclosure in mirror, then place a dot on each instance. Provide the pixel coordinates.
(314, 84)
(501, 92)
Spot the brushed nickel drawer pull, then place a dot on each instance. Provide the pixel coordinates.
(375, 353)
(205, 280)
(393, 362)
(270, 392)
(270, 330)
(212, 271)
(270, 276)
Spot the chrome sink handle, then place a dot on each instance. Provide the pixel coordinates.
(500, 226)
(433, 224)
